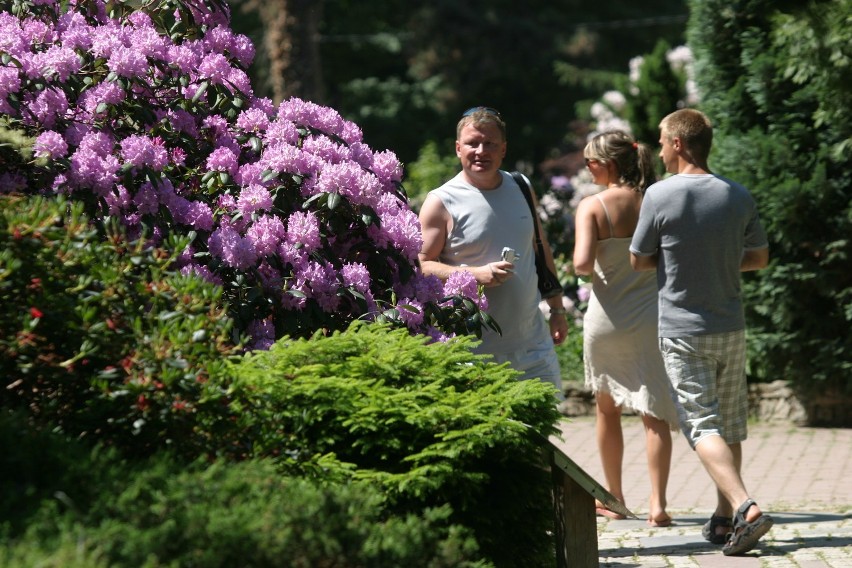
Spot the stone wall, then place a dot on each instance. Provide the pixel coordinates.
(768, 402)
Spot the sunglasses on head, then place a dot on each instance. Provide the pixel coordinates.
(489, 110)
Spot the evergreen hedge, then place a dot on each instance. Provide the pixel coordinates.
(774, 78)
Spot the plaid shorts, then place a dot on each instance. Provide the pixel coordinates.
(708, 376)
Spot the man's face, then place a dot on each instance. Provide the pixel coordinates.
(480, 148)
(668, 153)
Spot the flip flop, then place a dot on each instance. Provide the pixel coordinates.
(709, 530)
(746, 534)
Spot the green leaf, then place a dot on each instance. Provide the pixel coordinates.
(333, 201)
(202, 88)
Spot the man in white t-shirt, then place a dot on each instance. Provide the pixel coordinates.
(467, 222)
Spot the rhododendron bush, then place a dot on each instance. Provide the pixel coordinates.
(148, 117)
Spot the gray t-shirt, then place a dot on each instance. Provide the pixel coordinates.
(698, 225)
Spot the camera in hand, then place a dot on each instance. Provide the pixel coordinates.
(509, 255)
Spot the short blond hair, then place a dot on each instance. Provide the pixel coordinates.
(694, 130)
(481, 115)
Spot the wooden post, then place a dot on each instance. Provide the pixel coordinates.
(575, 522)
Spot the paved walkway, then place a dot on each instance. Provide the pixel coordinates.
(801, 476)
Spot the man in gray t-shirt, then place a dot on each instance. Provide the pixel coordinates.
(699, 231)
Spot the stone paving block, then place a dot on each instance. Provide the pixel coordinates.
(796, 474)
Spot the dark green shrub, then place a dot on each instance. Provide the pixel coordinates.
(775, 80)
(102, 338)
(430, 423)
(246, 514)
(163, 512)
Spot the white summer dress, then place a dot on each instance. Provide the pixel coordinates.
(620, 345)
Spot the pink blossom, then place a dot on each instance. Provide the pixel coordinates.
(148, 41)
(215, 67)
(265, 234)
(12, 38)
(117, 199)
(92, 164)
(198, 215)
(265, 105)
(177, 156)
(186, 56)
(323, 284)
(10, 81)
(57, 60)
(37, 32)
(222, 160)
(281, 132)
(290, 159)
(311, 114)
(239, 82)
(427, 288)
(74, 31)
(361, 154)
(139, 151)
(49, 105)
(202, 271)
(410, 312)
(326, 149)
(127, 62)
(464, 283)
(356, 276)
(107, 93)
(106, 39)
(253, 120)
(254, 198)
(387, 167)
(234, 250)
(146, 199)
(292, 253)
(50, 144)
(242, 49)
(303, 228)
(270, 277)
(218, 39)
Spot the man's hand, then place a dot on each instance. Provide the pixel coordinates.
(494, 273)
(558, 327)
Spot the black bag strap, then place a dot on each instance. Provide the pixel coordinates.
(525, 189)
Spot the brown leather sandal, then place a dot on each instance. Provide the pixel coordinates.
(746, 534)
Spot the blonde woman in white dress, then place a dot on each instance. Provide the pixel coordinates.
(623, 365)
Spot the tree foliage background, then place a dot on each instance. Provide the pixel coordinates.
(775, 77)
(405, 71)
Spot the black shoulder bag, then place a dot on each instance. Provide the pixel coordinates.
(548, 283)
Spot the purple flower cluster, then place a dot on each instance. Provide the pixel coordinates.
(286, 203)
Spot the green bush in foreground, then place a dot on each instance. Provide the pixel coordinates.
(93, 508)
(102, 337)
(429, 423)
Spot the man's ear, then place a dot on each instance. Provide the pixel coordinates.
(676, 143)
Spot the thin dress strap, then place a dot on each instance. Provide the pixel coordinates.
(608, 220)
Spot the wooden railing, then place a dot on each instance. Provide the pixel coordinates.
(575, 522)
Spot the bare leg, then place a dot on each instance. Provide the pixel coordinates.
(610, 442)
(658, 446)
(723, 462)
